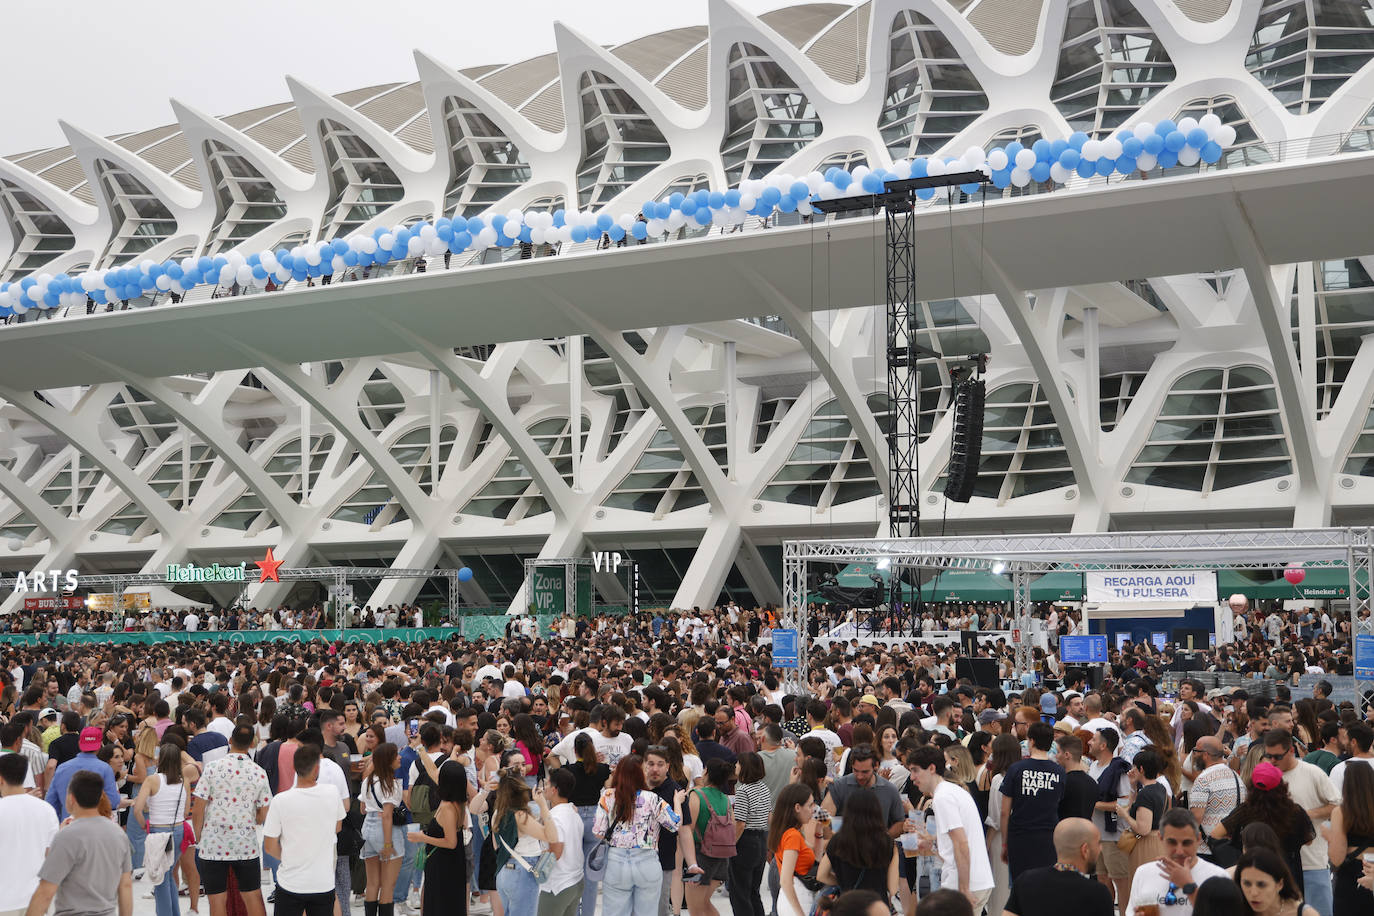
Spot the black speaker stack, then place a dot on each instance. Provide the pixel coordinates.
(966, 450)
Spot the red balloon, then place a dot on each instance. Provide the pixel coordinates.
(1295, 575)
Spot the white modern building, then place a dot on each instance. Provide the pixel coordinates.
(1186, 350)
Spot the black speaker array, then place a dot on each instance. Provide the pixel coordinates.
(966, 451)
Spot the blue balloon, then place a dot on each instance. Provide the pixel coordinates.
(701, 196)
(504, 241)
(30, 281)
(1210, 152)
(464, 575)
(1165, 127)
(442, 222)
(786, 204)
(189, 279)
(340, 247)
(1069, 159)
(650, 207)
(640, 231)
(971, 188)
(461, 241)
(1197, 138)
(579, 234)
(377, 233)
(365, 259)
(732, 197)
(477, 224)
(1168, 159)
(1042, 149)
(688, 207)
(175, 272)
(604, 221)
(444, 232)
(715, 200)
(1077, 139)
(1001, 178)
(1126, 165)
(1132, 147)
(205, 264)
(675, 200)
(147, 282)
(219, 262)
(799, 191)
(1153, 144)
(1086, 168)
(662, 210)
(1105, 166)
(460, 224)
(50, 300)
(1057, 149)
(1175, 141)
(1012, 149)
(771, 196)
(526, 235)
(298, 275)
(285, 260)
(872, 184)
(498, 222)
(920, 168)
(702, 216)
(560, 218)
(1040, 172)
(842, 180)
(616, 233)
(927, 193)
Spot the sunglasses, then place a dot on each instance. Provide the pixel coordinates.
(1275, 758)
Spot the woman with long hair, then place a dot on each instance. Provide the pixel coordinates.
(516, 838)
(383, 834)
(677, 764)
(1349, 838)
(590, 776)
(1150, 800)
(445, 889)
(1268, 885)
(353, 723)
(629, 817)
(1162, 743)
(1268, 802)
(753, 804)
(1306, 726)
(530, 743)
(1004, 751)
(861, 854)
(791, 842)
(161, 808)
(705, 802)
(889, 766)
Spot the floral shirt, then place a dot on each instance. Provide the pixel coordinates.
(234, 788)
(641, 832)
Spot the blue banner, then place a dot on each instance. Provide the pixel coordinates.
(1364, 657)
(785, 648)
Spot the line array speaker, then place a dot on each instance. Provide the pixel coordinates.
(966, 449)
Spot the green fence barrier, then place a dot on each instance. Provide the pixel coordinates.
(486, 627)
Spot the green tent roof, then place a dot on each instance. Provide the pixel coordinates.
(966, 585)
(1058, 585)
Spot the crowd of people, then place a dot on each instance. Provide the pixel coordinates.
(653, 763)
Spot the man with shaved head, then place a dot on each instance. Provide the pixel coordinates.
(1217, 790)
(1067, 886)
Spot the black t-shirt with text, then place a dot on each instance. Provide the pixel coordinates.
(1035, 788)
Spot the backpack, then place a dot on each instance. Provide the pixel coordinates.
(422, 795)
(718, 839)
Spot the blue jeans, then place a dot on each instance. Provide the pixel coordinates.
(408, 875)
(589, 840)
(137, 835)
(474, 849)
(165, 894)
(518, 889)
(632, 883)
(1316, 888)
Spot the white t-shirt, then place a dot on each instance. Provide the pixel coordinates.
(513, 690)
(954, 809)
(375, 795)
(30, 825)
(1311, 788)
(304, 821)
(332, 775)
(567, 869)
(221, 725)
(1151, 886)
(1338, 771)
(191, 622)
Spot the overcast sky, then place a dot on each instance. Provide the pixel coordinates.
(110, 67)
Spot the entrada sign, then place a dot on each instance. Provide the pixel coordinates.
(212, 573)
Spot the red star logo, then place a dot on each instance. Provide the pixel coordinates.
(269, 567)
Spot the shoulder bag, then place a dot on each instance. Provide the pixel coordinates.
(598, 855)
(541, 869)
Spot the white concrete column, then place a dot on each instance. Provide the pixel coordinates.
(1091, 387)
(731, 405)
(434, 427)
(574, 359)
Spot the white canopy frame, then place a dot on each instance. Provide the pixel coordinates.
(1025, 555)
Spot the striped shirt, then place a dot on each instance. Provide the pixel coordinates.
(753, 804)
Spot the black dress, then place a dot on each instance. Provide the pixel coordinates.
(446, 875)
(1347, 897)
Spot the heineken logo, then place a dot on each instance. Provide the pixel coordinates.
(213, 573)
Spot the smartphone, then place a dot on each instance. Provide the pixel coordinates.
(414, 727)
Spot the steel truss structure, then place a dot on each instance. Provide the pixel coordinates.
(1025, 556)
(338, 578)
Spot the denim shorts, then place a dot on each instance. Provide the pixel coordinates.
(373, 838)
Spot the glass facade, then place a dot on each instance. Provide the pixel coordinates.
(1305, 50)
(620, 142)
(1344, 297)
(661, 480)
(140, 219)
(246, 203)
(512, 494)
(769, 119)
(487, 165)
(39, 234)
(1110, 64)
(828, 466)
(932, 95)
(1217, 428)
(361, 184)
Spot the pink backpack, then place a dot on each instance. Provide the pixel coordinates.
(718, 839)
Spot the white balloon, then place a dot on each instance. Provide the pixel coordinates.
(312, 257)
(1146, 163)
(625, 222)
(338, 263)
(19, 308)
(387, 241)
(749, 201)
(433, 248)
(997, 159)
(226, 275)
(1143, 130)
(1188, 125)
(975, 156)
(676, 219)
(537, 236)
(428, 232)
(1111, 148)
(283, 275)
(902, 169)
(804, 207)
(244, 275)
(415, 247)
(1210, 122)
(814, 180)
(1188, 156)
(1020, 177)
(860, 172)
(487, 237)
(511, 229)
(1059, 174)
(936, 167)
(1092, 150)
(828, 192)
(1226, 135)
(1025, 159)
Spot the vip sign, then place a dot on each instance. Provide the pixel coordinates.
(606, 561)
(50, 580)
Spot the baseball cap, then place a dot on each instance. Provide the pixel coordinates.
(1266, 776)
(989, 715)
(1070, 694)
(870, 699)
(1048, 703)
(48, 713)
(90, 739)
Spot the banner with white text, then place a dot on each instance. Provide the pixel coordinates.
(1179, 587)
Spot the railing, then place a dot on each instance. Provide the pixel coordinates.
(1359, 140)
